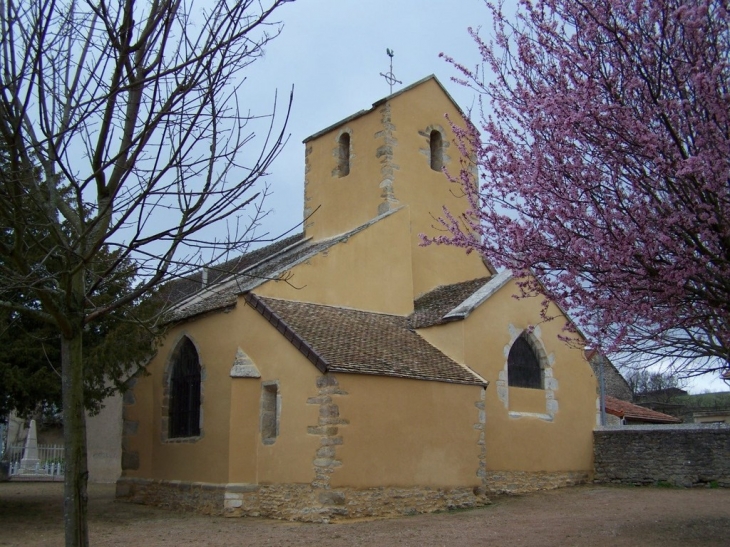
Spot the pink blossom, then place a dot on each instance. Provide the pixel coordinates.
(603, 144)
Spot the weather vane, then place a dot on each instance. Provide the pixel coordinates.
(389, 76)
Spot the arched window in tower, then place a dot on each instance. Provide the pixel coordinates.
(344, 154)
(523, 365)
(437, 150)
(184, 402)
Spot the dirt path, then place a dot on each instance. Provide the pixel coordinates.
(30, 515)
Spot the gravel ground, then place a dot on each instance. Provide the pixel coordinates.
(31, 515)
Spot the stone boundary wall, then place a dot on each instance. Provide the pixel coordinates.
(678, 455)
(298, 502)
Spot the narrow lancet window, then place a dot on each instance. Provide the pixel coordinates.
(185, 392)
(344, 153)
(437, 150)
(523, 365)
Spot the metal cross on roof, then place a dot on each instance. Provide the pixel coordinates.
(389, 76)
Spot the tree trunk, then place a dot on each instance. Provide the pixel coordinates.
(74, 436)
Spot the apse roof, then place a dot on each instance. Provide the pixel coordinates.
(344, 340)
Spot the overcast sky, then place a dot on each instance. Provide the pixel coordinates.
(333, 51)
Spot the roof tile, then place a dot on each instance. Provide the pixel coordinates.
(430, 308)
(359, 342)
(624, 409)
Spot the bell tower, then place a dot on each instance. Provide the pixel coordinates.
(392, 157)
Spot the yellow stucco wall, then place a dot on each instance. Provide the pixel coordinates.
(407, 433)
(338, 204)
(426, 191)
(230, 449)
(289, 458)
(531, 443)
(207, 458)
(244, 431)
(370, 271)
(449, 338)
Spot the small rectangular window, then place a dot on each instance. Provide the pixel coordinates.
(270, 410)
(344, 155)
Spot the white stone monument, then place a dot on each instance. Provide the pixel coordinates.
(29, 462)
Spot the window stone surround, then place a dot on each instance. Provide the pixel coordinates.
(269, 433)
(425, 150)
(547, 362)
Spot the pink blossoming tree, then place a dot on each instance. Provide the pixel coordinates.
(604, 155)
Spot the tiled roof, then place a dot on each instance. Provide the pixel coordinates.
(624, 409)
(236, 275)
(359, 342)
(430, 308)
(180, 289)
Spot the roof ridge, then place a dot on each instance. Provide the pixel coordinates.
(283, 327)
(432, 307)
(274, 255)
(481, 295)
(319, 304)
(234, 280)
(238, 286)
(379, 102)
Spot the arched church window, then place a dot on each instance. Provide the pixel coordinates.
(523, 365)
(185, 392)
(344, 155)
(437, 150)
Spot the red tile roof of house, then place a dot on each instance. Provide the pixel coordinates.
(625, 409)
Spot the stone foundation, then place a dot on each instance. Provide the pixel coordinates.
(201, 497)
(298, 502)
(519, 482)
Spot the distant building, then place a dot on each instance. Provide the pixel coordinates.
(614, 383)
(626, 413)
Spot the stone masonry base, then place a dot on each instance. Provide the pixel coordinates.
(296, 501)
(519, 482)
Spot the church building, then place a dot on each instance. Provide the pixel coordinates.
(349, 371)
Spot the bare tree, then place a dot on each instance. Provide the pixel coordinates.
(661, 385)
(123, 128)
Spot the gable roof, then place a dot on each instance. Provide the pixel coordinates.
(624, 409)
(251, 270)
(429, 309)
(185, 287)
(455, 302)
(358, 342)
(376, 104)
